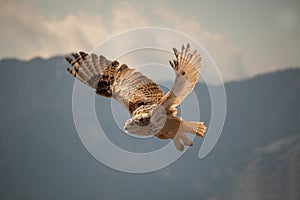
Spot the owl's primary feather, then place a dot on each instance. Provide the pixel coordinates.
(129, 87)
(187, 68)
(152, 113)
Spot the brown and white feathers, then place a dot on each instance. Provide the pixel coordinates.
(152, 113)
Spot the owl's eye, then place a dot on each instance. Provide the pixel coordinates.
(143, 121)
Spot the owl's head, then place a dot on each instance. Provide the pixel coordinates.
(139, 124)
(144, 121)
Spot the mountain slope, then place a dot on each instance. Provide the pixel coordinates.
(42, 157)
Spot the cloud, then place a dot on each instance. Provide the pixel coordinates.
(277, 145)
(227, 56)
(126, 15)
(31, 34)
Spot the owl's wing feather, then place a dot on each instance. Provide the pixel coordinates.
(87, 68)
(130, 88)
(187, 68)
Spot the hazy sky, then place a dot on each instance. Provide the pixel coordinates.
(243, 37)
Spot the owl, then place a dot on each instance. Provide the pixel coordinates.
(152, 112)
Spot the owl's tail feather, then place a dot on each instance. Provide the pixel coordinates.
(197, 128)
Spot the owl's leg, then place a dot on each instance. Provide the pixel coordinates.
(186, 140)
(181, 136)
(177, 143)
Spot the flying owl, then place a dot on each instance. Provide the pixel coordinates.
(152, 112)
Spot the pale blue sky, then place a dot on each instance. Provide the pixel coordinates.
(244, 37)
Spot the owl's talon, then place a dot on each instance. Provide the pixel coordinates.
(181, 147)
(186, 140)
(177, 143)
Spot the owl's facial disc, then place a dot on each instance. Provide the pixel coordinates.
(142, 120)
(139, 125)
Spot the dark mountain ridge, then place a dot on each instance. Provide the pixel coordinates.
(42, 157)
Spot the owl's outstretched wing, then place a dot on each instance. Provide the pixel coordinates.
(187, 68)
(90, 68)
(130, 88)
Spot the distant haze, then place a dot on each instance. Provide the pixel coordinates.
(245, 38)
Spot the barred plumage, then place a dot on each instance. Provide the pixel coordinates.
(152, 113)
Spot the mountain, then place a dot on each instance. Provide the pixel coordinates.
(42, 157)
